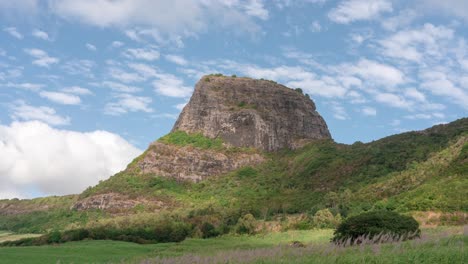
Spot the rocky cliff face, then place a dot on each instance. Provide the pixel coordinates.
(246, 112)
(190, 163)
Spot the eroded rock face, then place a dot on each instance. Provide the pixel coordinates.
(112, 202)
(246, 112)
(190, 163)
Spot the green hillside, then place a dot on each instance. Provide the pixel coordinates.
(410, 172)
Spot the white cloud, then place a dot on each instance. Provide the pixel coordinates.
(425, 116)
(126, 77)
(90, 47)
(415, 94)
(144, 70)
(40, 34)
(117, 44)
(439, 83)
(177, 59)
(57, 162)
(180, 106)
(374, 72)
(79, 67)
(128, 103)
(417, 44)
(369, 111)
(393, 100)
(77, 90)
(403, 19)
(61, 98)
(170, 85)
(255, 8)
(339, 112)
(355, 97)
(41, 57)
(142, 54)
(315, 27)
(353, 10)
(22, 111)
(13, 32)
(26, 86)
(165, 21)
(118, 87)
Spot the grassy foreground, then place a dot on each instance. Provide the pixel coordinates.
(442, 245)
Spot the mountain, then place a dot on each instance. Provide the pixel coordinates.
(245, 112)
(253, 146)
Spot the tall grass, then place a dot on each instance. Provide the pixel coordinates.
(444, 247)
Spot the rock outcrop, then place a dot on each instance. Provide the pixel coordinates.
(190, 163)
(246, 112)
(114, 202)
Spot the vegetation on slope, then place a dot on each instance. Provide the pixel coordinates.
(422, 171)
(181, 138)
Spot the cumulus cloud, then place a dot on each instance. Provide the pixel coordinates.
(40, 34)
(41, 57)
(353, 10)
(163, 20)
(26, 86)
(119, 87)
(440, 84)
(128, 103)
(13, 32)
(374, 72)
(117, 44)
(22, 111)
(124, 76)
(90, 47)
(417, 44)
(51, 161)
(142, 54)
(255, 8)
(61, 98)
(177, 59)
(77, 90)
(79, 67)
(369, 111)
(170, 85)
(393, 100)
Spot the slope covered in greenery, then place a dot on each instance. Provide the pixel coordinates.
(414, 171)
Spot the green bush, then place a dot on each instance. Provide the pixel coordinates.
(181, 138)
(325, 219)
(246, 224)
(161, 233)
(377, 223)
(208, 230)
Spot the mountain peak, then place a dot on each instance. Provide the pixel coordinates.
(246, 112)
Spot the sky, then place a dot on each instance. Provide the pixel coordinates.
(86, 86)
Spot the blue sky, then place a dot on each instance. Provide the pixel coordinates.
(75, 74)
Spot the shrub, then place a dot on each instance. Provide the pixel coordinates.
(198, 140)
(375, 224)
(246, 224)
(299, 90)
(325, 219)
(208, 230)
(234, 76)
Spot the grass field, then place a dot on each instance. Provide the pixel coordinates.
(8, 236)
(442, 245)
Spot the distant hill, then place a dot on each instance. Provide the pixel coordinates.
(263, 161)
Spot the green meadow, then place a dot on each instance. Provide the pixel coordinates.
(440, 245)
